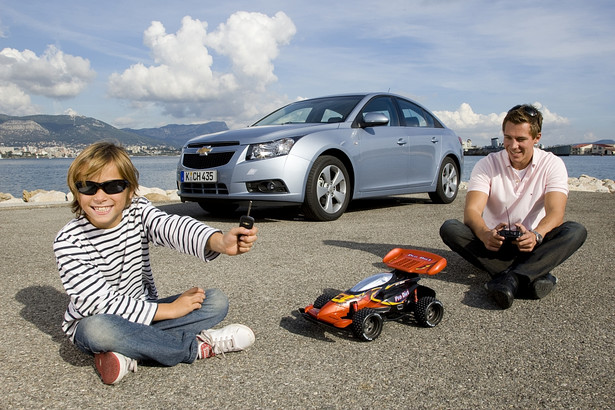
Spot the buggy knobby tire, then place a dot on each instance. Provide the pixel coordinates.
(323, 299)
(428, 311)
(367, 325)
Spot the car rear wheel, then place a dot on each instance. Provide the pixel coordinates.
(327, 192)
(448, 183)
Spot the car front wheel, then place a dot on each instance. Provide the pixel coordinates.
(367, 325)
(448, 183)
(327, 192)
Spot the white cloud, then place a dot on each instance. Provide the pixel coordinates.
(183, 80)
(252, 41)
(184, 73)
(14, 101)
(53, 74)
(465, 118)
(482, 127)
(72, 113)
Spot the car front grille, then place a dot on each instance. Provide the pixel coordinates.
(196, 161)
(203, 188)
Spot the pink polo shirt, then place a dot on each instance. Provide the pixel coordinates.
(524, 198)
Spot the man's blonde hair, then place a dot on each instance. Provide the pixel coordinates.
(92, 160)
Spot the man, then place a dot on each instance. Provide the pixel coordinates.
(523, 189)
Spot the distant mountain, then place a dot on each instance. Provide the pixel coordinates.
(63, 129)
(72, 130)
(176, 135)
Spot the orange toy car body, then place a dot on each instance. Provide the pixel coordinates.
(384, 296)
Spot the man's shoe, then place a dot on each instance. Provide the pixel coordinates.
(503, 289)
(113, 366)
(231, 338)
(542, 286)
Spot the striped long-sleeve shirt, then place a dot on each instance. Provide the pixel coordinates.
(108, 270)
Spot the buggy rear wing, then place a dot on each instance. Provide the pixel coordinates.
(414, 261)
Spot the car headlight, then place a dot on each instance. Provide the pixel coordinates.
(270, 149)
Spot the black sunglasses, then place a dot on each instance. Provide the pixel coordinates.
(528, 109)
(109, 187)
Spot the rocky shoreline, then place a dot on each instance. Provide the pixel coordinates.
(583, 183)
(39, 196)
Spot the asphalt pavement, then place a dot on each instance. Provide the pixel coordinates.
(552, 353)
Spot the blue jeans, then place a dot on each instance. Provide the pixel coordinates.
(555, 248)
(167, 342)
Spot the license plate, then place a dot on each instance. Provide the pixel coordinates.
(199, 176)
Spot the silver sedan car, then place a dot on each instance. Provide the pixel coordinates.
(323, 152)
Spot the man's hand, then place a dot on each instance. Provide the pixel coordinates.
(491, 238)
(526, 242)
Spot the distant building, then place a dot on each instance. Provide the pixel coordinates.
(593, 149)
(602, 149)
(581, 149)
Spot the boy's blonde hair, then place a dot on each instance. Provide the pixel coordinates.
(91, 161)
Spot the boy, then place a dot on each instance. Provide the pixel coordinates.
(103, 259)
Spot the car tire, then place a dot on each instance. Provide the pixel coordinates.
(367, 325)
(217, 207)
(323, 299)
(327, 191)
(428, 311)
(448, 183)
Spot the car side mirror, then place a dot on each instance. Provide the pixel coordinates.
(374, 119)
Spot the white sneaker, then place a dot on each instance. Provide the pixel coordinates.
(113, 366)
(231, 338)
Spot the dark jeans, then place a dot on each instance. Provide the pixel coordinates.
(556, 247)
(167, 342)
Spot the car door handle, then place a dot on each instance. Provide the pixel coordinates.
(434, 139)
(402, 141)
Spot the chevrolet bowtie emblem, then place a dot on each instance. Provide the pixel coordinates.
(204, 150)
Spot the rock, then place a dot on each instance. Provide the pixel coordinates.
(13, 201)
(143, 191)
(48, 196)
(157, 194)
(156, 197)
(5, 197)
(172, 194)
(26, 195)
(9, 199)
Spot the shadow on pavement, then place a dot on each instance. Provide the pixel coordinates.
(44, 307)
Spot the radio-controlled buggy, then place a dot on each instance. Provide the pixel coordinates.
(383, 296)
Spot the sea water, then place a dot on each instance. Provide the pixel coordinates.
(17, 175)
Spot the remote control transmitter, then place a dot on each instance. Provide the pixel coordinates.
(246, 220)
(507, 233)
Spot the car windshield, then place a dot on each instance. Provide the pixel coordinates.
(319, 110)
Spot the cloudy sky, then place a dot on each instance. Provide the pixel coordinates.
(147, 63)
